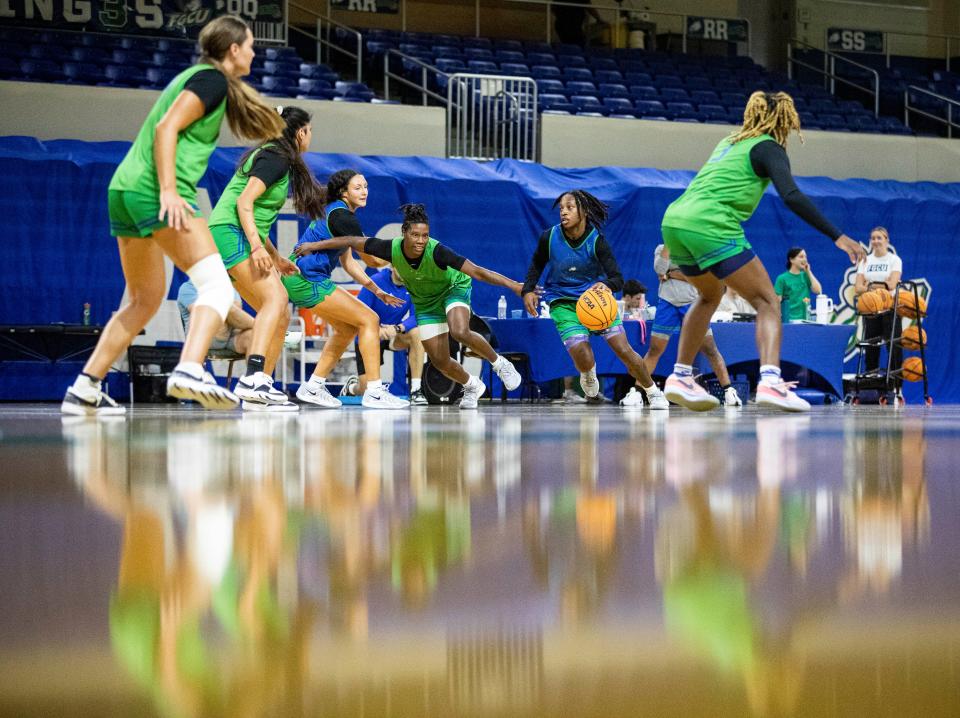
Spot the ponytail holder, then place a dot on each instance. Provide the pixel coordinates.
(279, 109)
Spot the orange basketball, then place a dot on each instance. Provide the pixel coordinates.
(913, 337)
(874, 301)
(886, 298)
(907, 306)
(912, 369)
(596, 309)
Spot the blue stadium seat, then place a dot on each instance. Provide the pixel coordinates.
(515, 69)
(831, 122)
(280, 67)
(578, 73)
(681, 110)
(822, 106)
(478, 53)
(95, 55)
(667, 81)
(588, 103)
(545, 72)
(40, 70)
(477, 43)
(644, 92)
(159, 76)
(565, 48)
(279, 85)
(556, 112)
(612, 89)
(512, 45)
(674, 94)
(318, 71)
(638, 78)
(603, 63)
(713, 112)
(698, 82)
(450, 65)
(619, 105)
(484, 67)
(357, 90)
(607, 75)
(510, 56)
(735, 99)
(704, 96)
(649, 107)
(541, 58)
(448, 51)
(556, 102)
(578, 87)
(309, 86)
(57, 53)
(551, 87)
(571, 61)
(9, 68)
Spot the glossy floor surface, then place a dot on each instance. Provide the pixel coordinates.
(511, 561)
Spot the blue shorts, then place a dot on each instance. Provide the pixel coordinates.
(669, 319)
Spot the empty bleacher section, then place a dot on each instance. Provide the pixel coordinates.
(150, 63)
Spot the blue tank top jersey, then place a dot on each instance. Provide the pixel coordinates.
(571, 271)
(319, 266)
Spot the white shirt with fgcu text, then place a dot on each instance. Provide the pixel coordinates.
(877, 269)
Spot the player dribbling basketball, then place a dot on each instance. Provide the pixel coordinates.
(577, 257)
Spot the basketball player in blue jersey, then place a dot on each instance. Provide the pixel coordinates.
(576, 257)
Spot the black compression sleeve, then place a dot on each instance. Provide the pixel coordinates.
(343, 223)
(269, 167)
(446, 257)
(381, 248)
(541, 255)
(605, 256)
(770, 160)
(210, 86)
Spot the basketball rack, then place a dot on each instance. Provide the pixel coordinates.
(889, 380)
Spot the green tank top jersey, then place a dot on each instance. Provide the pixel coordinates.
(266, 207)
(725, 192)
(138, 170)
(428, 283)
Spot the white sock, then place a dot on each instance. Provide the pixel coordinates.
(472, 383)
(770, 374)
(414, 385)
(648, 390)
(85, 385)
(190, 367)
(498, 363)
(318, 380)
(374, 385)
(682, 369)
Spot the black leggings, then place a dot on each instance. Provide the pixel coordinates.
(881, 326)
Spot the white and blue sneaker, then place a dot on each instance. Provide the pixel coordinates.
(96, 403)
(318, 395)
(258, 387)
(205, 390)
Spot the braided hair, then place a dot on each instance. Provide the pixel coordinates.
(769, 113)
(413, 214)
(308, 196)
(588, 206)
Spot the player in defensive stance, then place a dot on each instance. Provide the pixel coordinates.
(576, 257)
(153, 212)
(702, 229)
(439, 281)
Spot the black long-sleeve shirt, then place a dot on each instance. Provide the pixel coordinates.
(605, 256)
(769, 160)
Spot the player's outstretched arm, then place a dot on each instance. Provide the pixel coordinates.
(305, 248)
(490, 277)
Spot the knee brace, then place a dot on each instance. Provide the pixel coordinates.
(214, 288)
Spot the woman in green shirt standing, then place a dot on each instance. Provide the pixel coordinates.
(153, 213)
(795, 285)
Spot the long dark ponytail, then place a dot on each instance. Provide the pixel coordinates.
(589, 206)
(309, 196)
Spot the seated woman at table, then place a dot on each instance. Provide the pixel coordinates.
(795, 285)
(440, 282)
(576, 257)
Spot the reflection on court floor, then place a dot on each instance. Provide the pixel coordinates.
(511, 561)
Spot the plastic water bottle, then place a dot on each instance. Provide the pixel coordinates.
(502, 308)
(86, 314)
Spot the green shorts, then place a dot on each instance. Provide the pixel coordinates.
(231, 243)
(306, 294)
(563, 312)
(135, 215)
(690, 249)
(432, 316)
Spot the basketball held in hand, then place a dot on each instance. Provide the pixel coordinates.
(597, 309)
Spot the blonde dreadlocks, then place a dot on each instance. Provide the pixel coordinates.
(769, 113)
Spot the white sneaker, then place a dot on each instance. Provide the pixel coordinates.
(590, 384)
(633, 398)
(418, 398)
(97, 405)
(472, 392)
(731, 397)
(286, 407)
(319, 395)
(382, 399)
(683, 390)
(656, 398)
(205, 391)
(508, 375)
(781, 396)
(259, 387)
(291, 340)
(572, 397)
(351, 385)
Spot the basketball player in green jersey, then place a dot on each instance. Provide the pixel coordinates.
(439, 282)
(240, 225)
(702, 229)
(152, 204)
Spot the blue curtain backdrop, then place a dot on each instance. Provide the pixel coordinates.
(57, 252)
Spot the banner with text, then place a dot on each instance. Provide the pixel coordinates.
(168, 18)
(387, 6)
(840, 39)
(718, 28)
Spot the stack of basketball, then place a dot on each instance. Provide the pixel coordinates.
(909, 306)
